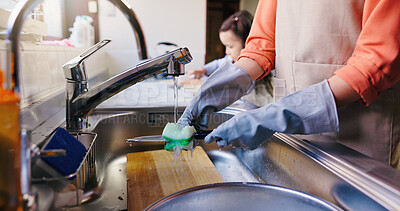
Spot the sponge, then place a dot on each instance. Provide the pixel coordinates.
(177, 135)
(75, 152)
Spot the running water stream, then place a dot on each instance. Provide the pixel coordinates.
(175, 78)
(178, 149)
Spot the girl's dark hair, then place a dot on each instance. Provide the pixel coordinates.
(239, 23)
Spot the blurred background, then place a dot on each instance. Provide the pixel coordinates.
(193, 24)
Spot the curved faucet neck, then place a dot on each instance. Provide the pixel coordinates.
(80, 100)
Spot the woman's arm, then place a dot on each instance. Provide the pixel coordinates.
(251, 67)
(260, 44)
(342, 91)
(375, 63)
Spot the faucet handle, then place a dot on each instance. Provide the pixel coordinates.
(93, 49)
(75, 69)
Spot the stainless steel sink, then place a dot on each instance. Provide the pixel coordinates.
(114, 126)
(311, 167)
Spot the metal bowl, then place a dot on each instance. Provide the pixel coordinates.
(241, 196)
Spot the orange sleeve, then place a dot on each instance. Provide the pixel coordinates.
(375, 63)
(260, 44)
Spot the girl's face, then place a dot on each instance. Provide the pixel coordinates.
(233, 44)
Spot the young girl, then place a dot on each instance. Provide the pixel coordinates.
(233, 34)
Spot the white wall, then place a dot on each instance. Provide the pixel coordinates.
(178, 21)
(249, 5)
(53, 17)
(41, 73)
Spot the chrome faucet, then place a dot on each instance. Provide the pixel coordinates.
(80, 100)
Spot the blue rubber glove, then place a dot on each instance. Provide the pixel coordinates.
(224, 86)
(307, 111)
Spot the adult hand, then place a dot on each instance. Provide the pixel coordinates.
(307, 111)
(226, 85)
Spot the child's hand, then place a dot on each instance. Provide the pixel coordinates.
(195, 74)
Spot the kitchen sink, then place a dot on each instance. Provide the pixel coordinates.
(113, 126)
(321, 168)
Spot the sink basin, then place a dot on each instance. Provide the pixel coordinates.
(241, 196)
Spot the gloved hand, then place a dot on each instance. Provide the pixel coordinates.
(307, 111)
(222, 88)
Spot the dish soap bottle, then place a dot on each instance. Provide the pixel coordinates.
(10, 159)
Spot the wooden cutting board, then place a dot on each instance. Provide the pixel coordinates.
(151, 175)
